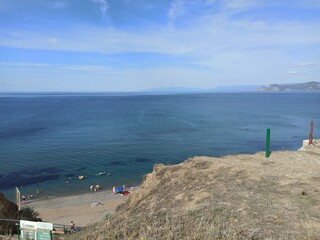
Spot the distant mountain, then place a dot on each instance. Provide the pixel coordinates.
(236, 88)
(175, 89)
(299, 87)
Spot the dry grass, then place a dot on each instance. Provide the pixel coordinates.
(234, 197)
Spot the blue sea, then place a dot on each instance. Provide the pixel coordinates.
(48, 139)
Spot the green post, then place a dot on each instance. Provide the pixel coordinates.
(268, 143)
(18, 230)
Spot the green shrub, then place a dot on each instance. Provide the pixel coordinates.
(28, 213)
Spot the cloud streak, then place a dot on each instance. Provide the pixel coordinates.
(103, 5)
(176, 9)
(218, 37)
(53, 67)
(241, 4)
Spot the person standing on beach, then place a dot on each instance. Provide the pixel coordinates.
(72, 226)
(24, 199)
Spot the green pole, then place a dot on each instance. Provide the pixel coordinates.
(268, 143)
(18, 230)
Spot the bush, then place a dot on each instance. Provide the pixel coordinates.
(28, 213)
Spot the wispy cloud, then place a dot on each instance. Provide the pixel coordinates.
(206, 35)
(53, 67)
(305, 69)
(176, 9)
(241, 4)
(104, 6)
(220, 33)
(297, 72)
(307, 64)
(53, 40)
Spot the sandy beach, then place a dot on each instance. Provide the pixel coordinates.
(82, 209)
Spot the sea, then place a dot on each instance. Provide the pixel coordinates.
(48, 140)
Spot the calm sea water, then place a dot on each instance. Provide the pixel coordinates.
(47, 139)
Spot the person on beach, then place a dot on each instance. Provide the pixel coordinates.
(38, 190)
(23, 199)
(96, 204)
(121, 190)
(72, 227)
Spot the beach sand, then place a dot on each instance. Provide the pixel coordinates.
(82, 209)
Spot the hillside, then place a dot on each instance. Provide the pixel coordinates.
(300, 87)
(232, 197)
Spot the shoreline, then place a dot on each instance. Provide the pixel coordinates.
(83, 209)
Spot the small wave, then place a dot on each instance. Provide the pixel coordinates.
(102, 173)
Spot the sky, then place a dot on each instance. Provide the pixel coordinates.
(132, 45)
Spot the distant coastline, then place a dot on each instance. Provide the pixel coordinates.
(299, 87)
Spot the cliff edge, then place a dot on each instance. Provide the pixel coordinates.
(233, 197)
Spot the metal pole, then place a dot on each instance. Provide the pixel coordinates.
(268, 143)
(311, 133)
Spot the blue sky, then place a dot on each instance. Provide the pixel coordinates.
(129, 45)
